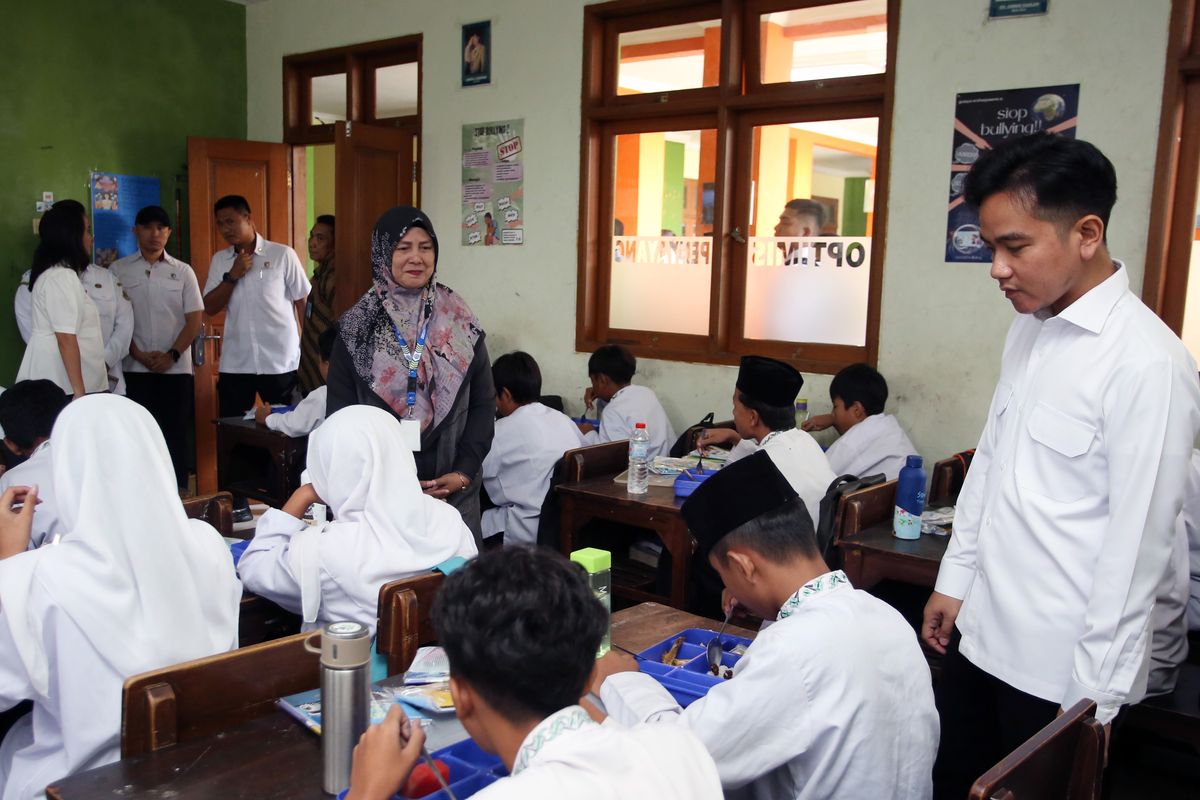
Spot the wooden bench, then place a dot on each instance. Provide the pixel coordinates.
(946, 479)
(404, 619)
(1065, 759)
(216, 510)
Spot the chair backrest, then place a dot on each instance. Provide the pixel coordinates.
(404, 624)
(549, 531)
(595, 460)
(1065, 759)
(215, 509)
(947, 478)
(554, 401)
(199, 698)
(864, 508)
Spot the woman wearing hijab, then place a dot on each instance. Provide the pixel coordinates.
(132, 586)
(385, 527)
(413, 347)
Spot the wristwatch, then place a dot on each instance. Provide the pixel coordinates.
(174, 353)
(229, 278)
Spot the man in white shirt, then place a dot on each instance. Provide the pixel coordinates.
(27, 413)
(521, 627)
(167, 314)
(1189, 521)
(800, 217)
(263, 287)
(869, 441)
(309, 413)
(1066, 520)
(611, 369)
(832, 700)
(529, 440)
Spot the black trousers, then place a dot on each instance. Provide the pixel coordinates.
(171, 400)
(983, 720)
(236, 390)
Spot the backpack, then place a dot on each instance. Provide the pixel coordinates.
(830, 518)
(684, 444)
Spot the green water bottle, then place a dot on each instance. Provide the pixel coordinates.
(598, 564)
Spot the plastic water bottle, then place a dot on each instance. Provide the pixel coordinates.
(910, 499)
(639, 457)
(801, 411)
(598, 564)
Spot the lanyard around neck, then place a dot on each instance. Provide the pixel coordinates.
(412, 359)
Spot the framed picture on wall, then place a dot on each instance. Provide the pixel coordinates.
(830, 207)
(477, 53)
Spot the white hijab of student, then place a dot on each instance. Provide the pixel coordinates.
(147, 586)
(385, 527)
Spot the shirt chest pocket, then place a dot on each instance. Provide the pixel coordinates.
(167, 290)
(1052, 460)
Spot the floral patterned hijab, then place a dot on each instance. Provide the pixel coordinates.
(368, 332)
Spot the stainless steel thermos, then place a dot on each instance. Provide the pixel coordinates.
(345, 698)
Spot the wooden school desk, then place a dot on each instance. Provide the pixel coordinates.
(255, 461)
(874, 554)
(273, 756)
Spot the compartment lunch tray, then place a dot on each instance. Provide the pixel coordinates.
(692, 680)
(471, 769)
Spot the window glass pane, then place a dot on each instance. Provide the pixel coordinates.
(662, 226)
(831, 41)
(1191, 305)
(396, 91)
(669, 59)
(328, 99)
(809, 255)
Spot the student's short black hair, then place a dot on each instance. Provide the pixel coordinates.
(860, 383)
(519, 373)
(326, 341)
(808, 208)
(28, 410)
(326, 219)
(1060, 179)
(521, 626)
(614, 361)
(234, 201)
(780, 535)
(150, 214)
(777, 418)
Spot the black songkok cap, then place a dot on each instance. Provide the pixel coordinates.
(769, 381)
(740, 492)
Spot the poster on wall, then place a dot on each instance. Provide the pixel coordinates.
(116, 199)
(477, 53)
(493, 183)
(984, 119)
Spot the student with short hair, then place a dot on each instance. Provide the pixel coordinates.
(529, 440)
(27, 413)
(309, 413)
(521, 627)
(832, 700)
(869, 441)
(611, 369)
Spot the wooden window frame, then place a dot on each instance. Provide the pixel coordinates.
(1177, 171)
(730, 107)
(359, 63)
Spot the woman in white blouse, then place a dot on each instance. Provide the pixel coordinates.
(66, 344)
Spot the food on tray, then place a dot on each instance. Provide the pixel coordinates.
(671, 656)
(721, 671)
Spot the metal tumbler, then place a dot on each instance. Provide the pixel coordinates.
(345, 698)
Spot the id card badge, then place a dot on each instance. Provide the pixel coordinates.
(410, 431)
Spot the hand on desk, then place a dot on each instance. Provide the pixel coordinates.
(611, 663)
(818, 423)
(300, 500)
(585, 427)
(384, 756)
(261, 412)
(16, 525)
(940, 613)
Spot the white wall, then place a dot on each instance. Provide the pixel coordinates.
(942, 325)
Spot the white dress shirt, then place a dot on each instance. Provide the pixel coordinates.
(1066, 518)
(570, 756)
(1189, 523)
(116, 320)
(832, 700)
(305, 418)
(516, 472)
(163, 294)
(877, 444)
(629, 406)
(35, 471)
(261, 336)
(59, 305)
(797, 455)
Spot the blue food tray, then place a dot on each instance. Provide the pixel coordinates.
(689, 480)
(692, 680)
(471, 769)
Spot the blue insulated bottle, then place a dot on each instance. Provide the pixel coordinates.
(910, 499)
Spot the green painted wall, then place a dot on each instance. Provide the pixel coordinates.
(854, 219)
(672, 213)
(116, 85)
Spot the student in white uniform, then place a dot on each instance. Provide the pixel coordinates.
(800, 217)
(384, 527)
(869, 441)
(611, 368)
(833, 700)
(1066, 520)
(167, 313)
(1189, 521)
(27, 413)
(65, 342)
(529, 440)
(132, 586)
(309, 413)
(521, 628)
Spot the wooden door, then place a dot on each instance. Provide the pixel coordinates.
(216, 167)
(374, 170)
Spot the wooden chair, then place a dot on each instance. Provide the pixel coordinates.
(864, 508)
(1065, 759)
(593, 461)
(947, 478)
(199, 698)
(215, 509)
(404, 624)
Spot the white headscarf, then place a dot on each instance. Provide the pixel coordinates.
(386, 527)
(147, 586)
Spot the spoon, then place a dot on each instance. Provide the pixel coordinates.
(429, 761)
(714, 645)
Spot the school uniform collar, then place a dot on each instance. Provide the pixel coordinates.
(1091, 311)
(561, 722)
(818, 585)
(259, 244)
(166, 258)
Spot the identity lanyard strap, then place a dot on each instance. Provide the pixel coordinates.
(413, 359)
